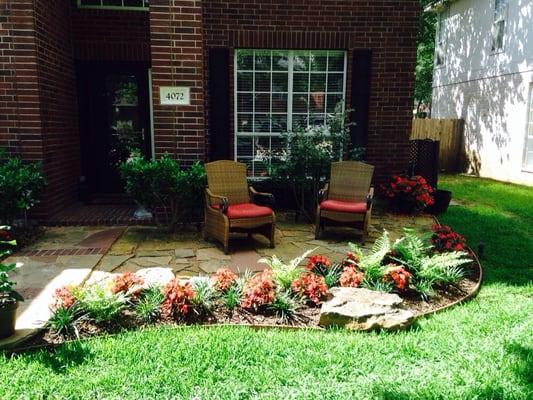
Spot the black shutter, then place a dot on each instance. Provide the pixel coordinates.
(361, 76)
(219, 110)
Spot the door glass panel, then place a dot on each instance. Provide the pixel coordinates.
(126, 133)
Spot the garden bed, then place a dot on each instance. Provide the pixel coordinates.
(306, 314)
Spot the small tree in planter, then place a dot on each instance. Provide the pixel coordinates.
(305, 162)
(21, 185)
(9, 298)
(162, 186)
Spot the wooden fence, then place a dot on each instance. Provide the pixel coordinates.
(449, 132)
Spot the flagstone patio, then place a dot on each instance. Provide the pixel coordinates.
(76, 255)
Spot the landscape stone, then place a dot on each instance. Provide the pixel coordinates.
(363, 310)
(110, 263)
(157, 276)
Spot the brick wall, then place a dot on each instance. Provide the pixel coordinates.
(38, 96)
(176, 36)
(20, 125)
(388, 27)
(111, 35)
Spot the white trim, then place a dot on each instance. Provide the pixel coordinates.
(151, 102)
(104, 7)
(529, 121)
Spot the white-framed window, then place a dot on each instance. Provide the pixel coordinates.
(440, 42)
(498, 25)
(142, 5)
(276, 90)
(528, 148)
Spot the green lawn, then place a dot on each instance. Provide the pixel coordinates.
(481, 350)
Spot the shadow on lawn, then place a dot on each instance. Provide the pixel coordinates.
(507, 240)
(62, 358)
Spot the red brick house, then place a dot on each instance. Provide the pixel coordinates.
(83, 81)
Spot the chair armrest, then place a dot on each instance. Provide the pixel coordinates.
(255, 194)
(370, 198)
(323, 193)
(223, 201)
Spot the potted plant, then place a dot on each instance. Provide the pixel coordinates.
(9, 298)
(408, 193)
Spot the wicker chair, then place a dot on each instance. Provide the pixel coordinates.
(230, 207)
(347, 199)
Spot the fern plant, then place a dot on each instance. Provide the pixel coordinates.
(285, 273)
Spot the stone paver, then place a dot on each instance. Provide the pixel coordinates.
(183, 254)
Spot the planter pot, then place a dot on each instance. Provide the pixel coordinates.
(442, 201)
(8, 318)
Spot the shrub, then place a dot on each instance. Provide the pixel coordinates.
(101, 305)
(163, 186)
(311, 287)
(232, 298)
(224, 279)
(7, 293)
(351, 277)
(21, 184)
(284, 305)
(127, 283)
(444, 239)
(408, 193)
(285, 273)
(398, 275)
(318, 264)
(259, 291)
(333, 275)
(148, 308)
(203, 299)
(63, 321)
(178, 299)
(64, 297)
(305, 161)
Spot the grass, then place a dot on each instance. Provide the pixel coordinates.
(481, 350)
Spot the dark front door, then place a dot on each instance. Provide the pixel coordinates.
(114, 121)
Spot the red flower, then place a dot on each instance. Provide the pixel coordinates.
(310, 286)
(128, 282)
(259, 291)
(318, 262)
(445, 239)
(224, 278)
(63, 298)
(398, 275)
(177, 300)
(351, 277)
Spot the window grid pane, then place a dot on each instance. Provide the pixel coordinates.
(116, 4)
(277, 90)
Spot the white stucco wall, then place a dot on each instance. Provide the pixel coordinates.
(489, 90)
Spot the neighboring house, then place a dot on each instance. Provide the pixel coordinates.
(83, 82)
(484, 74)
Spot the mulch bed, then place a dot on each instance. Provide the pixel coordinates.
(306, 317)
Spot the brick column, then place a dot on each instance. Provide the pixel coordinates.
(176, 34)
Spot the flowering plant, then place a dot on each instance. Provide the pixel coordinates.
(318, 264)
(127, 283)
(351, 277)
(444, 239)
(398, 275)
(310, 286)
(259, 291)
(63, 298)
(406, 192)
(178, 299)
(224, 279)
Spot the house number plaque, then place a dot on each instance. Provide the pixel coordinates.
(175, 96)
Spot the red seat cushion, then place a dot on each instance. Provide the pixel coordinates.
(246, 210)
(344, 206)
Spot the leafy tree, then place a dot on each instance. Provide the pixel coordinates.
(425, 53)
